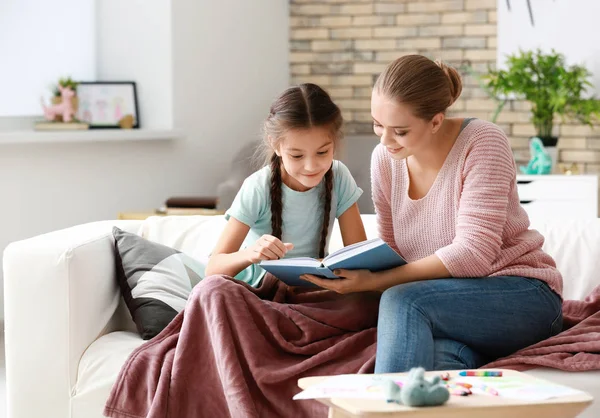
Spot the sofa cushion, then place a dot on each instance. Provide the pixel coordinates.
(155, 280)
(194, 235)
(575, 246)
(98, 370)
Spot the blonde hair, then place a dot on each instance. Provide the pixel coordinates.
(428, 87)
(300, 107)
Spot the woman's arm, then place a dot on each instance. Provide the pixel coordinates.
(488, 176)
(488, 183)
(228, 259)
(351, 226)
(381, 189)
(424, 269)
(364, 280)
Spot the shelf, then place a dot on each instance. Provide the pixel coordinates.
(91, 135)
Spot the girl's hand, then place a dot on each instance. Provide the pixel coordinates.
(267, 247)
(350, 281)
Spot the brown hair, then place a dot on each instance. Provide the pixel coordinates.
(300, 107)
(428, 87)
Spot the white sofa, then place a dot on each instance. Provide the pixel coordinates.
(68, 332)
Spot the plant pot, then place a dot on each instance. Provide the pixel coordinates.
(549, 141)
(550, 145)
(58, 99)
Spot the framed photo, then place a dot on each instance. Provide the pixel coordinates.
(102, 104)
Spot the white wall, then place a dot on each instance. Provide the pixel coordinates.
(39, 46)
(223, 91)
(567, 26)
(134, 43)
(229, 60)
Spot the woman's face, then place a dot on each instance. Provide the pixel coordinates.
(402, 133)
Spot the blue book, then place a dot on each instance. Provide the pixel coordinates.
(374, 255)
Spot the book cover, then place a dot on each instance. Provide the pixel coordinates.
(194, 202)
(374, 255)
(60, 126)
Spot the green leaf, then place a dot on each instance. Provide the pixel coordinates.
(64, 82)
(551, 86)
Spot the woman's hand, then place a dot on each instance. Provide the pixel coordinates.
(350, 281)
(267, 247)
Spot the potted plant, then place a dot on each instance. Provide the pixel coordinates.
(551, 86)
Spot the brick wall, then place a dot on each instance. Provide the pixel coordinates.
(343, 45)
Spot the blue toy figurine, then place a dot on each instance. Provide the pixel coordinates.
(541, 162)
(417, 391)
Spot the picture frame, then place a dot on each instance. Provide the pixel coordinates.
(102, 104)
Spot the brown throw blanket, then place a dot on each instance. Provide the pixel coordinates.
(577, 348)
(238, 351)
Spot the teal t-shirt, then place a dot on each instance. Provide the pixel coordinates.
(302, 213)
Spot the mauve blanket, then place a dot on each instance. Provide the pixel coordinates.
(577, 348)
(238, 351)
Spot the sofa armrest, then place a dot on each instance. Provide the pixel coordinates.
(60, 296)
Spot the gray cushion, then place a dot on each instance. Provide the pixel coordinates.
(155, 280)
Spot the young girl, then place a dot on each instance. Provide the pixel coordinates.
(477, 285)
(287, 208)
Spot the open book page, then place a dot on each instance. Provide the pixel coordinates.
(351, 250)
(295, 261)
(374, 255)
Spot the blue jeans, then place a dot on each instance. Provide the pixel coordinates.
(462, 323)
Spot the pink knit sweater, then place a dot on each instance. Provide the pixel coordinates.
(470, 218)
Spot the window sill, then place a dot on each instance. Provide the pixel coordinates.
(91, 135)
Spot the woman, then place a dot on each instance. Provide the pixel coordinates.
(477, 285)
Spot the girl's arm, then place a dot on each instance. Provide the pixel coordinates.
(351, 226)
(228, 259)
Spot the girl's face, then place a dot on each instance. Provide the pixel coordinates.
(402, 133)
(306, 154)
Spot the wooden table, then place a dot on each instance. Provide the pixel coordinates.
(472, 406)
